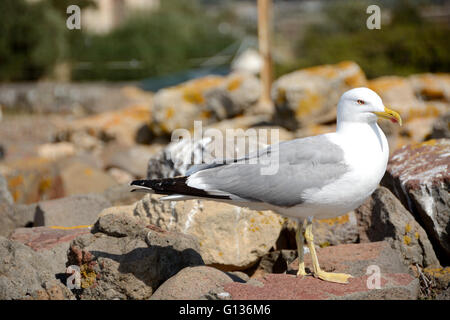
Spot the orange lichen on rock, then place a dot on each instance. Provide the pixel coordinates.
(338, 220)
(306, 106)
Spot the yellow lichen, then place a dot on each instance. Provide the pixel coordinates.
(407, 228)
(417, 235)
(338, 220)
(407, 240)
(312, 101)
(234, 84)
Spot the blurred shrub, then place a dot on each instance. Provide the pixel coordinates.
(149, 44)
(32, 41)
(404, 46)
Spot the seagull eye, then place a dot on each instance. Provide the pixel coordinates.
(361, 102)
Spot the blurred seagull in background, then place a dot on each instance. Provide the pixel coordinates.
(322, 176)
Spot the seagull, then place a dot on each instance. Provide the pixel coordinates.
(319, 177)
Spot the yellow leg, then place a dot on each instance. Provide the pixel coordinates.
(300, 239)
(327, 276)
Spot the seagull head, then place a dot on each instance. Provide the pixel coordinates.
(364, 105)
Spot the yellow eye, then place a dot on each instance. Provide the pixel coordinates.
(360, 102)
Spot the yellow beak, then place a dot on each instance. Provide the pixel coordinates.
(390, 115)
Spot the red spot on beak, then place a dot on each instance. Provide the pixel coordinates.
(394, 120)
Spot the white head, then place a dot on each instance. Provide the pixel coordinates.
(363, 105)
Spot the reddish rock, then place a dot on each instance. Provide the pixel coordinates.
(395, 280)
(419, 175)
(43, 238)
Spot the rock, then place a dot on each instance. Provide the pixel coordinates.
(383, 217)
(311, 95)
(419, 176)
(51, 243)
(71, 211)
(78, 177)
(73, 98)
(132, 160)
(439, 276)
(124, 260)
(441, 127)
(395, 281)
(121, 126)
(432, 86)
(208, 99)
(7, 221)
(193, 283)
(120, 195)
(5, 196)
(54, 151)
(24, 274)
(230, 238)
(33, 179)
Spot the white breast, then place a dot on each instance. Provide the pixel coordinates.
(366, 153)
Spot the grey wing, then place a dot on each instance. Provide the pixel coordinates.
(303, 164)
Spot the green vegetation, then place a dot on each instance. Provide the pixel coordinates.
(32, 39)
(150, 44)
(406, 45)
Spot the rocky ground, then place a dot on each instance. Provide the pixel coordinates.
(70, 228)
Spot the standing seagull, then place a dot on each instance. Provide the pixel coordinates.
(323, 176)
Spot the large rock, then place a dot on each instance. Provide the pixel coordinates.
(360, 260)
(441, 127)
(419, 99)
(383, 217)
(132, 159)
(230, 237)
(207, 99)
(125, 260)
(71, 211)
(78, 177)
(311, 95)
(122, 126)
(51, 243)
(194, 283)
(33, 179)
(7, 222)
(419, 176)
(24, 274)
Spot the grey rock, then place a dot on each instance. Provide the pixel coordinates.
(383, 217)
(71, 211)
(441, 128)
(125, 260)
(193, 283)
(23, 272)
(419, 175)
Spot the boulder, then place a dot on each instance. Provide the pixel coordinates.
(310, 95)
(230, 237)
(383, 217)
(131, 159)
(121, 126)
(361, 260)
(70, 211)
(24, 274)
(419, 176)
(431, 86)
(80, 177)
(208, 99)
(123, 259)
(7, 221)
(50, 242)
(32, 179)
(441, 127)
(194, 283)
